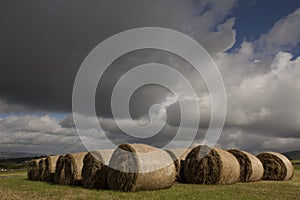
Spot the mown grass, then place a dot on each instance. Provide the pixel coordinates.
(14, 185)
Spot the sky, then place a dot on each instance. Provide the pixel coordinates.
(255, 44)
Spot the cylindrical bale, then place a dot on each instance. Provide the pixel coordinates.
(32, 171)
(205, 165)
(251, 169)
(178, 155)
(50, 166)
(41, 170)
(135, 167)
(59, 170)
(93, 171)
(276, 166)
(73, 164)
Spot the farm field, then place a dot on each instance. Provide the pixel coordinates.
(14, 185)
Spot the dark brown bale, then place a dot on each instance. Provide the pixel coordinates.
(276, 166)
(178, 156)
(251, 169)
(93, 171)
(205, 165)
(32, 171)
(50, 166)
(135, 167)
(73, 164)
(59, 170)
(41, 170)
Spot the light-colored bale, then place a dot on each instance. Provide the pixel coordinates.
(135, 167)
(41, 170)
(59, 170)
(73, 164)
(178, 155)
(276, 166)
(251, 169)
(205, 165)
(32, 171)
(50, 166)
(93, 171)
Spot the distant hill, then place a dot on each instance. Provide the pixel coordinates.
(293, 155)
(11, 154)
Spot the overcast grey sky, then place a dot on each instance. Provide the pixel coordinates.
(43, 44)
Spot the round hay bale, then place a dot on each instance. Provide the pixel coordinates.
(135, 167)
(251, 169)
(178, 155)
(73, 164)
(59, 170)
(276, 166)
(93, 170)
(32, 170)
(205, 165)
(41, 170)
(50, 166)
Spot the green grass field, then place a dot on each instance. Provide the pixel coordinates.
(14, 185)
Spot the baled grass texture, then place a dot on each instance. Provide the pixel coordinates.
(250, 166)
(178, 155)
(276, 166)
(205, 165)
(41, 170)
(50, 166)
(32, 171)
(59, 170)
(73, 164)
(136, 167)
(94, 169)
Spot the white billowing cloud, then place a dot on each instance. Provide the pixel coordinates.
(284, 35)
(37, 134)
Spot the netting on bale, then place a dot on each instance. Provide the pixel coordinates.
(135, 167)
(205, 165)
(276, 166)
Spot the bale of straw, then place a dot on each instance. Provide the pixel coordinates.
(94, 169)
(251, 169)
(205, 165)
(50, 166)
(276, 166)
(59, 170)
(73, 164)
(32, 171)
(135, 167)
(41, 170)
(178, 155)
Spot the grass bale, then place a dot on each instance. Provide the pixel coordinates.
(59, 170)
(276, 166)
(205, 165)
(136, 167)
(50, 166)
(94, 169)
(178, 155)
(251, 169)
(32, 171)
(72, 169)
(41, 170)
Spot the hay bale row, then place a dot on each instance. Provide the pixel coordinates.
(95, 169)
(276, 166)
(135, 167)
(179, 156)
(205, 165)
(251, 169)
